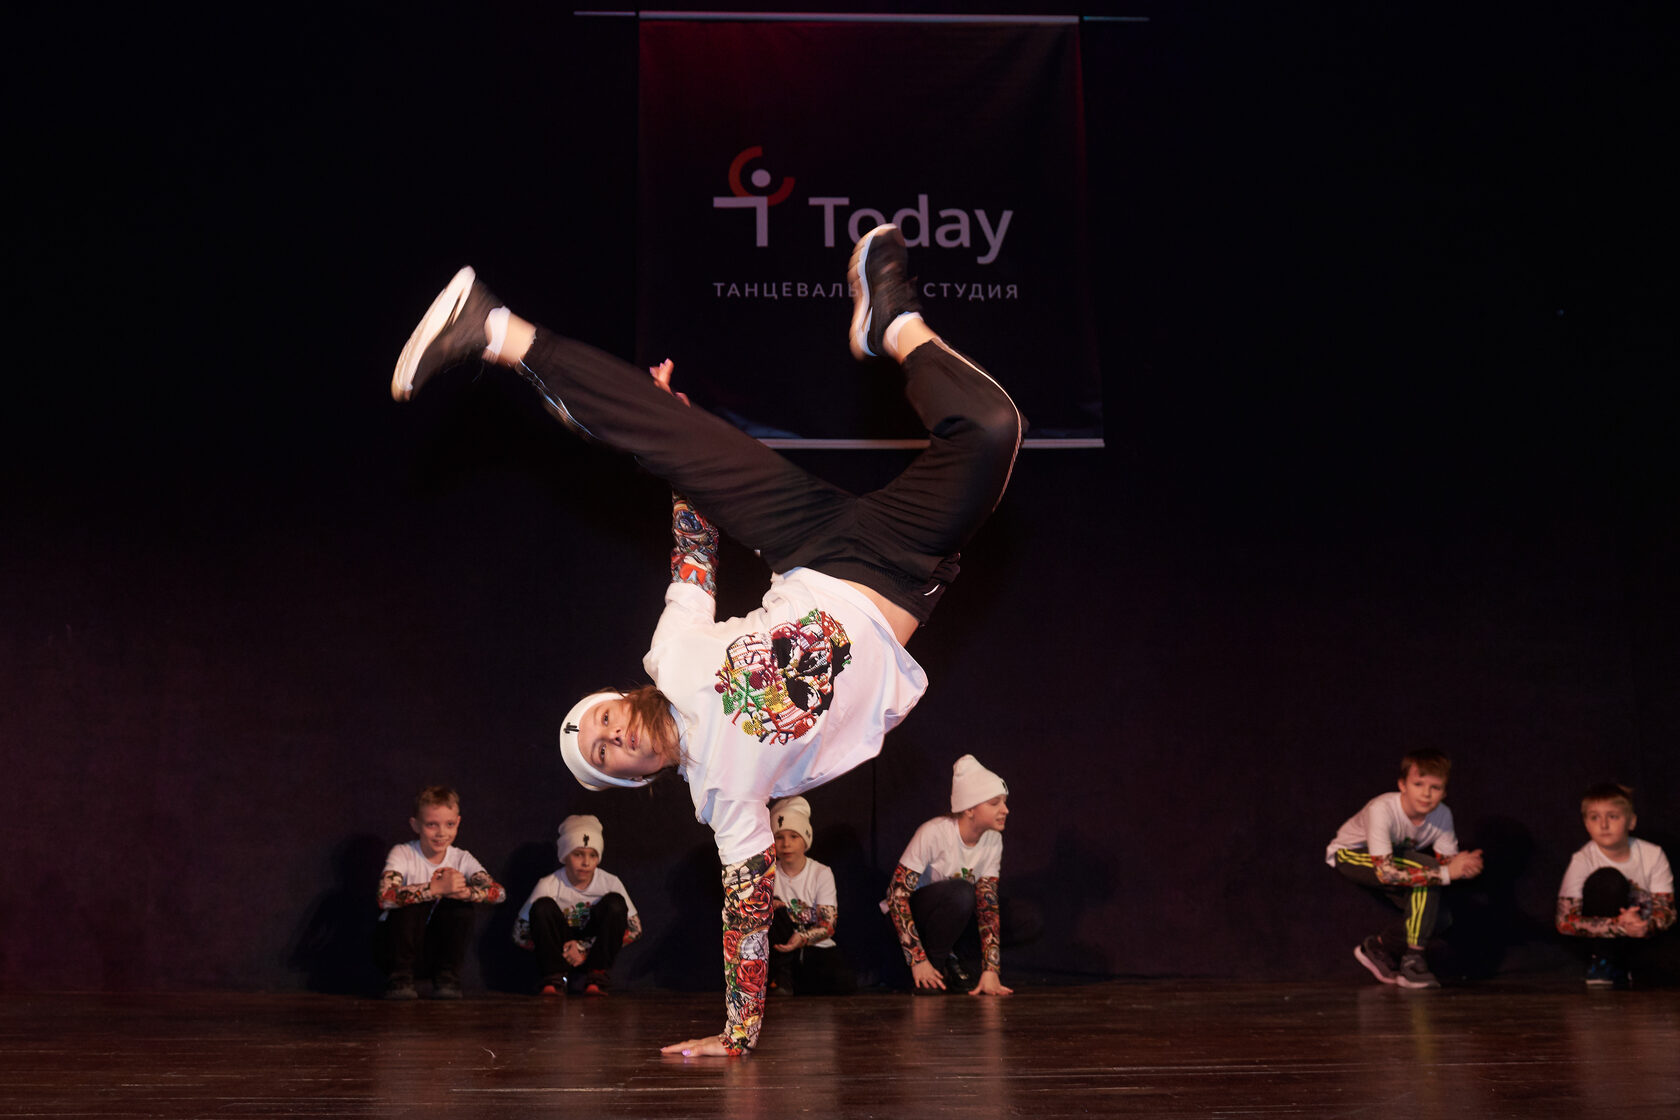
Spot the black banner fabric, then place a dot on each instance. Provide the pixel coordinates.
(767, 148)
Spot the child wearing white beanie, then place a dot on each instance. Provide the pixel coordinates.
(578, 918)
(803, 955)
(972, 783)
(946, 887)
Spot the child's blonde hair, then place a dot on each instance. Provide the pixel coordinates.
(436, 795)
(1612, 792)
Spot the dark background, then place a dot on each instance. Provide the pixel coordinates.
(1386, 330)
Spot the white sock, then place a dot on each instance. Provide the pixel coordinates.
(889, 341)
(497, 321)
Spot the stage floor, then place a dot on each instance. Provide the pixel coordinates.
(1502, 1049)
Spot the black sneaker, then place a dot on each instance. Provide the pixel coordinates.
(400, 987)
(882, 289)
(596, 982)
(445, 985)
(956, 976)
(1374, 957)
(1414, 972)
(451, 332)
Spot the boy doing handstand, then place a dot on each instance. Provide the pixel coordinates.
(804, 688)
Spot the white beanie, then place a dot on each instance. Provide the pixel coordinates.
(580, 830)
(794, 813)
(589, 777)
(972, 783)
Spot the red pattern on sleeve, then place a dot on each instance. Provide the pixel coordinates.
(987, 917)
(749, 890)
(904, 882)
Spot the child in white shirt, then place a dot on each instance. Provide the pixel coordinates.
(578, 918)
(1618, 890)
(1402, 846)
(945, 888)
(804, 957)
(426, 896)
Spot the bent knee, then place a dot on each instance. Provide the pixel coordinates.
(991, 434)
(1003, 426)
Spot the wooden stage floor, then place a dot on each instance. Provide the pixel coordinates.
(1539, 1048)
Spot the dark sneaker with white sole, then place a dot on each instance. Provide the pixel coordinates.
(1376, 959)
(1414, 972)
(882, 289)
(451, 332)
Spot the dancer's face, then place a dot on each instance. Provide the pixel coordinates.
(992, 815)
(609, 742)
(436, 826)
(790, 846)
(580, 866)
(1420, 793)
(1608, 823)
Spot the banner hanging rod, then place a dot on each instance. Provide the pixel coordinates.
(833, 17)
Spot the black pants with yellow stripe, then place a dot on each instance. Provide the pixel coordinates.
(1420, 907)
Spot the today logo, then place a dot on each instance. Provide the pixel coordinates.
(954, 231)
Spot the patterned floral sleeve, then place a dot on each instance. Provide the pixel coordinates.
(748, 889)
(904, 883)
(986, 916)
(1397, 874)
(1657, 909)
(485, 889)
(393, 894)
(1571, 921)
(819, 924)
(632, 930)
(694, 548)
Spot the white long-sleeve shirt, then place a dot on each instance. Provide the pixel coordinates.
(779, 701)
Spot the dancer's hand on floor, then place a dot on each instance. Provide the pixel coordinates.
(926, 976)
(709, 1047)
(990, 985)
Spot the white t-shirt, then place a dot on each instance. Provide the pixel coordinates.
(804, 892)
(936, 852)
(1382, 824)
(779, 701)
(416, 868)
(576, 904)
(1646, 868)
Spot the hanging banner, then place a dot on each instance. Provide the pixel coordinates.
(768, 147)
